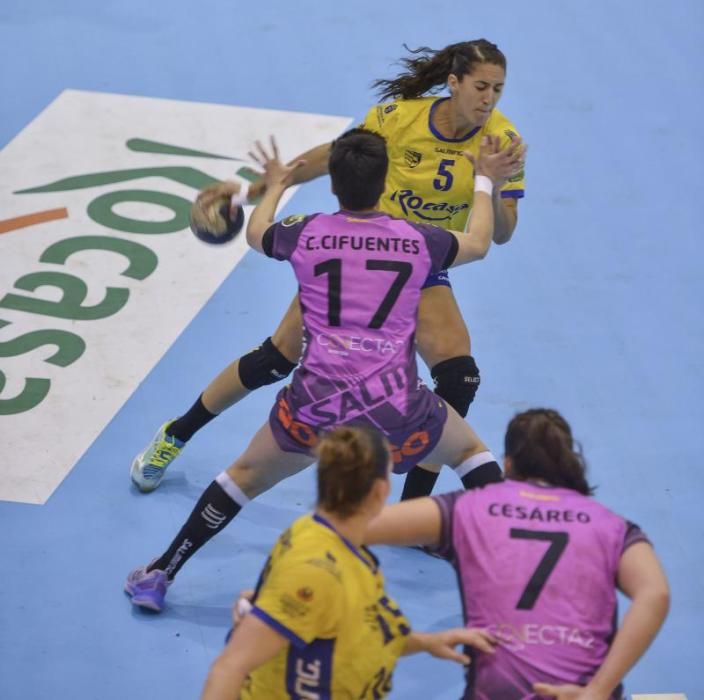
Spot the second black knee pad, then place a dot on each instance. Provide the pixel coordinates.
(456, 381)
(264, 365)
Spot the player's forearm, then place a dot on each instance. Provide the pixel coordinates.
(504, 219)
(263, 215)
(475, 243)
(413, 522)
(316, 164)
(224, 681)
(640, 625)
(416, 642)
(482, 224)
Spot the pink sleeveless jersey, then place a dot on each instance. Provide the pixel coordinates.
(537, 568)
(360, 277)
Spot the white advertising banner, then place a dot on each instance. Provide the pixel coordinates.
(95, 196)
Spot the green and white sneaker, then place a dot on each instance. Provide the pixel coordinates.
(149, 466)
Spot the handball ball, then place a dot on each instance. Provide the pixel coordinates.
(213, 224)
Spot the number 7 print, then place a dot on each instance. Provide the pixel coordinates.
(558, 542)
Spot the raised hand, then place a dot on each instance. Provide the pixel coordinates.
(499, 164)
(275, 172)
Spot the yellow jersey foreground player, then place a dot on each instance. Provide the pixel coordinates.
(321, 625)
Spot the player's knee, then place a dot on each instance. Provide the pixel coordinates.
(456, 381)
(264, 365)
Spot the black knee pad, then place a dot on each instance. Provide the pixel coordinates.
(456, 381)
(264, 365)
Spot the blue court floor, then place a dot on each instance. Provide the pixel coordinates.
(594, 308)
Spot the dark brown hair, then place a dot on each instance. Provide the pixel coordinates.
(541, 446)
(358, 163)
(350, 460)
(430, 68)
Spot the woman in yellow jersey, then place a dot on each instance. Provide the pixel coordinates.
(321, 625)
(428, 181)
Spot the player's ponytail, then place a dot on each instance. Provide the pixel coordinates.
(350, 460)
(540, 445)
(429, 69)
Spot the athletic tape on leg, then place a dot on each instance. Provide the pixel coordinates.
(232, 489)
(473, 462)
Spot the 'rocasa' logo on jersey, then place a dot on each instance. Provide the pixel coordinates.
(411, 203)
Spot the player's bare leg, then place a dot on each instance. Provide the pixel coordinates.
(462, 449)
(444, 344)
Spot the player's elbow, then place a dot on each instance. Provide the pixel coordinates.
(483, 251)
(471, 253)
(479, 252)
(503, 231)
(501, 237)
(656, 598)
(660, 598)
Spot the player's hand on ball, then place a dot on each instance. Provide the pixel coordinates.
(217, 215)
(212, 193)
(276, 173)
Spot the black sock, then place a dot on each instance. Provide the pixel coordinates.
(191, 422)
(487, 473)
(213, 512)
(419, 482)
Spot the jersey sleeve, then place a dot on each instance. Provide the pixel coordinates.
(442, 245)
(446, 504)
(382, 118)
(633, 535)
(300, 601)
(281, 238)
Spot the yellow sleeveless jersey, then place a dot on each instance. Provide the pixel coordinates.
(326, 597)
(429, 180)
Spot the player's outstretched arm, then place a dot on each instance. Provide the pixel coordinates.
(413, 522)
(277, 178)
(474, 244)
(492, 218)
(641, 578)
(505, 217)
(251, 645)
(513, 159)
(315, 165)
(442, 644)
